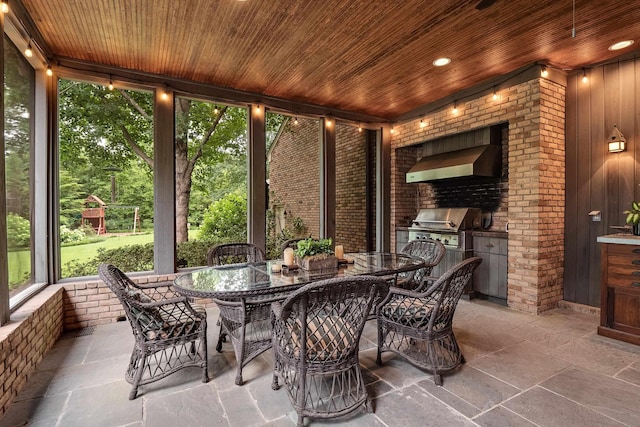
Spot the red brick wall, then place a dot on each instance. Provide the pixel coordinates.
(294, 180)
(533, 199)
(294, 173)
(351, 190)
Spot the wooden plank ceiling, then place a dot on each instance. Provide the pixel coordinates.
(366, 56)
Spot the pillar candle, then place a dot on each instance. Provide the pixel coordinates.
(339, 252)
(288, 257)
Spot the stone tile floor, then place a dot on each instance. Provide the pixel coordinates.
(521, 370)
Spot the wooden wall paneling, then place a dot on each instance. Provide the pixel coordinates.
(584, 192)
(634, 136)
(600, 162)
(611, 116)
(571, 192)
(625, 121)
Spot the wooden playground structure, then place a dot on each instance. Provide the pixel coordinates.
(93, 214)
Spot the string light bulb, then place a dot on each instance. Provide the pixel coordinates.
(4, 6)
(423, 124)
(110, 83)
(28, 52)
(215, 109)
(495, 94)
(295, 121)
(258, 108)
(165, 94)
(49, 71)
(585, 79)
(392, 130)
(455, 108)
(359, 128)
(544, 72)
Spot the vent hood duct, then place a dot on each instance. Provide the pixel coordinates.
(484, 160)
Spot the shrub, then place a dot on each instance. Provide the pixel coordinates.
(126, 258)
(193, 253)
(68, 235)
(138, 258)
(18, 231)
(226, 219)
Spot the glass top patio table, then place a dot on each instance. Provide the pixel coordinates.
(258, 279)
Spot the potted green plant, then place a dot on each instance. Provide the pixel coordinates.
(315, 254)
(633, 217)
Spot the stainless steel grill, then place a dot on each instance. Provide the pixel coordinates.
(451, 227)
(447, 225)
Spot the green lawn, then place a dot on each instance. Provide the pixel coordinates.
(87, 252)
(20, 264)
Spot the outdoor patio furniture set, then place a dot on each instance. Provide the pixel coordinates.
(314, 328)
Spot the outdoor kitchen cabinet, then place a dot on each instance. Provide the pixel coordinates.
(490, 278)
(402, 238)
(620, 288)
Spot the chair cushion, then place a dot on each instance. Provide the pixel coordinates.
(408, 312)
(328, 337)
(166, 322)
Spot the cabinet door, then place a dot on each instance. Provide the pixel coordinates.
(624, 306)
(498, 276)
(481, 276)
(402, 238)
(490, 278)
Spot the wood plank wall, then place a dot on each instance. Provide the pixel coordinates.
(596, 179)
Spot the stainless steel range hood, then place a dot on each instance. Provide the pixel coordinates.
(484, 160)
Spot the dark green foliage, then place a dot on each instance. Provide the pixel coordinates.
(193, 253)
(18, 232)
(309, 247)
(226, 219)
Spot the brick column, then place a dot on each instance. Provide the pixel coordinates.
(536, 200)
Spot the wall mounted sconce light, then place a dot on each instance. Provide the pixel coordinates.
(617, 141)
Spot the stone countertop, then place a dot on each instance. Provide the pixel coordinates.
(620, 239)
(490, 233)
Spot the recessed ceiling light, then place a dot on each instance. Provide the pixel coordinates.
(441, 61)
(621, 45)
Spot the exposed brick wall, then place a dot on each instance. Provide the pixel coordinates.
(351, 188)
(32, 331)
(294, 173)
(532, 196)
(405, 196)
(294, 180)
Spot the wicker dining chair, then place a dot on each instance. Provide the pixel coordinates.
(170, 333)
(418, 325)
(318, 363)
(431, 251)
(232, 253)
(246, 322)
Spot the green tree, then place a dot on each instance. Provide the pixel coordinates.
(100, 128)
(71, 199)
